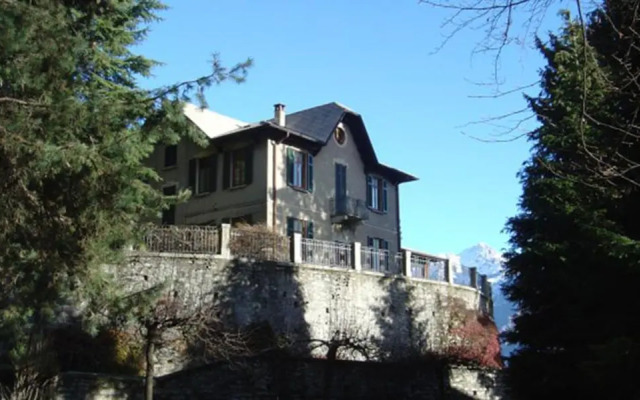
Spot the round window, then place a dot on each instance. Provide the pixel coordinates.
(340, 135)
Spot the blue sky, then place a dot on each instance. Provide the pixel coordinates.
(376, 57)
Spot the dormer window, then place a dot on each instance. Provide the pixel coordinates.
(376, 193)
(299, 169)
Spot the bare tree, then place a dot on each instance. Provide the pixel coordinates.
(509, 22)
(170, 319)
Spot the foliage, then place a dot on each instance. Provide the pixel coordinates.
(259, 242)
(472, 337)
(75, 129)
(573, 267)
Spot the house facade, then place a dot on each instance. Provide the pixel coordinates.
(313, 171)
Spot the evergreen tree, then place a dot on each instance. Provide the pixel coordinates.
(75, 128)
(575, 261)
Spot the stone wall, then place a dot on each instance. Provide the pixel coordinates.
(273, 378)
(397, 316)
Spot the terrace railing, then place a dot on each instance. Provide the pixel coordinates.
(330, 254)
(430, 267)
(462, 276)
(183, 239)
(260, 243)
(378, 260)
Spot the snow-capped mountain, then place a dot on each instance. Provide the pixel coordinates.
(489, 262)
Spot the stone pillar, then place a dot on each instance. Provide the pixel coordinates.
(448, 271)
(473, 275)
(296, 248)
(225, 238)
(356, 256)
(406, 262)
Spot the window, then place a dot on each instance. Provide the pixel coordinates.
(202, 174)
(376, 193)
(295, 225)
(170, 155)
(299, 169)
(169, 214)
(238, 168)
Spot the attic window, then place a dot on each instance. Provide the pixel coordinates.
(340, 135)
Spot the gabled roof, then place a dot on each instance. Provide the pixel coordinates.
(313, 125)
(317, 122)
(211, 123)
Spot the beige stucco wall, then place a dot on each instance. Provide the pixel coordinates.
(212, 207)
(316, 206)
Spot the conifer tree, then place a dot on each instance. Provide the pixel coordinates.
(575, 261)
(75, 128)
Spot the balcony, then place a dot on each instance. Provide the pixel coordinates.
(346, 209)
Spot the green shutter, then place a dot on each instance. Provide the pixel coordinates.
(290, 160)
(290, 227)
(248, 171)
(192, 175)
(310, 230)
(226, 170)
(310, 173)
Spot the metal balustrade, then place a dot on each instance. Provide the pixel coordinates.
(378, 260)
(261, 243)
(425, 266)
(330, 254)
(462, 276)
(182, 239)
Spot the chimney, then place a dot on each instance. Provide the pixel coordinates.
(279, 114)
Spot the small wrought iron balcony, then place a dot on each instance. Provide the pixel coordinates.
(346, 209)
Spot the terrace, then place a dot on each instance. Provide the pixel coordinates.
(257, 244)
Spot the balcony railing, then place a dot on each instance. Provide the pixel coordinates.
(348, 209)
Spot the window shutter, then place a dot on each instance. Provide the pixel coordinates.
(310, 173)
(384, 196)
(369, 190)
(290, 157)
(248, 168)
(192, 175)
(310, 230)
(290, 227)
(213, 172)
(226, 171)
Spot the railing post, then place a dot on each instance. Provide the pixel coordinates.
(406, 262)
(296, 248)
(356, 256)
(225, 238)
(448, 271)
(473, 276)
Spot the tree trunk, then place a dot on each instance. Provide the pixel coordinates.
(148, 379)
